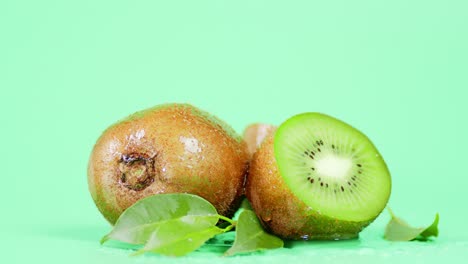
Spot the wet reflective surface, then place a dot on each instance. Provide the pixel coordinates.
(75, 243)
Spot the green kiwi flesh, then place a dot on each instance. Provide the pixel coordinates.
(333, 168)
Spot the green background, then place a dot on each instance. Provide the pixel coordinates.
(397, 70)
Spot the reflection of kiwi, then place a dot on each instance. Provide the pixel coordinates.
(254, 134)
(317, 178)
(171, 148)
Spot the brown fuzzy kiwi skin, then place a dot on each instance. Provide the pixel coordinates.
(178, 149)
(281, 212)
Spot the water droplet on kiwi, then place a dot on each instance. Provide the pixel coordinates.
(266, 218)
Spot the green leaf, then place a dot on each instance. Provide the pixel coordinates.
(250, 236)
(177, 240)
(398, 230)
(246, 205)
(137, 224)
(433, 229)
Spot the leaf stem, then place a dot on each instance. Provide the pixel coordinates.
(229, 227)
(104, 239)
(232, 222)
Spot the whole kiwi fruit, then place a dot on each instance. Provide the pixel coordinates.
(316, 177)
(171, 148)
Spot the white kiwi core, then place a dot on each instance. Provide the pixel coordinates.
(334, 166)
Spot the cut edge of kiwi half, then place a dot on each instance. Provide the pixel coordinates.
(332, 167)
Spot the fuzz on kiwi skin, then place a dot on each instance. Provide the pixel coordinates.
(173, 148)
(280, 211)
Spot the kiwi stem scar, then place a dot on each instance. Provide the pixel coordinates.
(136, 171)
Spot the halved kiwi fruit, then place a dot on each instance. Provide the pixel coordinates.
(172, 148)
(317, 177)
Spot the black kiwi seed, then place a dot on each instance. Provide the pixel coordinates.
(321, 184)
(312, 180)
(359, 165)
(359, 171)
(349, 183)
(342, 189)
(312, 169)
(326, 185)
(333, 146)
